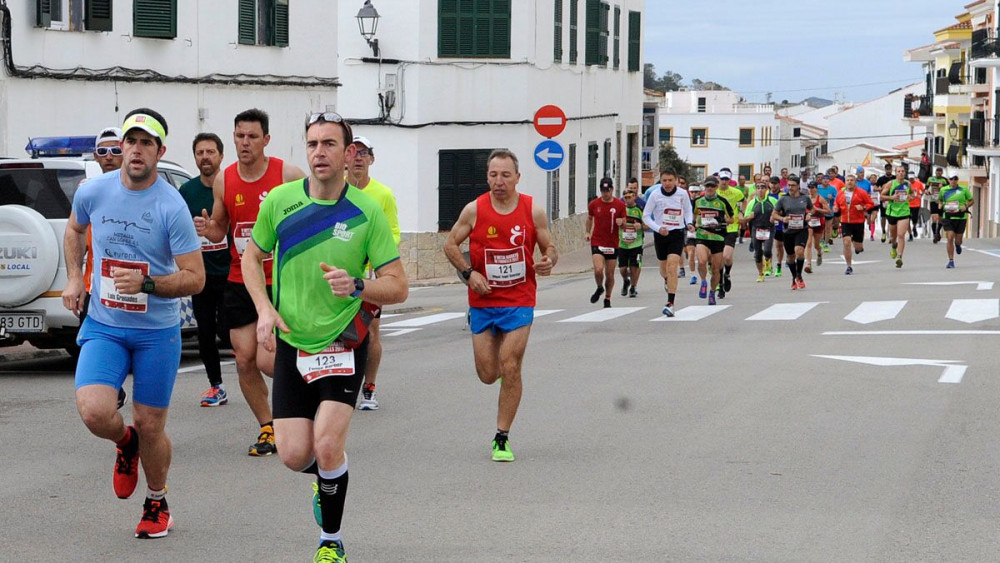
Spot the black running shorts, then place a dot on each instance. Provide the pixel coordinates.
(671, 243)
(292, 397)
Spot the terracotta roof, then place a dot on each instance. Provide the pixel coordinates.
(958, 26)
(910, 145)
(976, 3)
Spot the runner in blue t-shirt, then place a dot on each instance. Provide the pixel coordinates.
(828, 192)
(146, 256)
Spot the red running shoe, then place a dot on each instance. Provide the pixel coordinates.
(802, 284)
(156, 520)
(126, 474)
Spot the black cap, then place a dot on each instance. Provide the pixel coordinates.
(607, 184)
(710, 181)
(775, 179)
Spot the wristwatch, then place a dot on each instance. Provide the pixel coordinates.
(359, 286)
(467, 273)
(148, 285)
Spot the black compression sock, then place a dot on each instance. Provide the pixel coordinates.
(729, 268)
(799, 263)
(333, 492)
(670, 298)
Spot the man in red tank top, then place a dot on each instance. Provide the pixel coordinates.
(605, 215)
(238, 192)
(503, 227)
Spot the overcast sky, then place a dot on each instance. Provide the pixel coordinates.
(788, 46)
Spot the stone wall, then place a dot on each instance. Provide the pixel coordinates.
(423, 253)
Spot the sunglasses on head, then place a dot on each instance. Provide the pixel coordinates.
(327, 116)
(104, 151)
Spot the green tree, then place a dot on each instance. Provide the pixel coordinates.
(670, 159)
(669, 82)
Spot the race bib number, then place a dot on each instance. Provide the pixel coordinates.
(814, 222)
(762, 234)
(242, 236)
(335, 360)
(901, 196)
(209, 246)
(606, 250)
(876, 198)
(629, 233)
(796, 221)
(709, 219)
(110, 298)
(506, 267)
(673, 218)
(951, 206)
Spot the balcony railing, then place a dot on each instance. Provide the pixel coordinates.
(941, 86)
(984, 133)
(985, 44)
(917, 106)
(647, 159)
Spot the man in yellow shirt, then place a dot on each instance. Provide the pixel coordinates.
(735, 197)
(357, 175)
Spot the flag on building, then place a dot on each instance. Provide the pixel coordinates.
(868, 160)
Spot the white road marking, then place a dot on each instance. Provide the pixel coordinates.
(693, 313)
(398, 331)
(980, 285)
(544, 312)
(602, 315)
(424, 321)
(875, 311)
(951, 373)
(912, 333)
(391, 315)
(202, 368)
(974, 310)
(784, 311)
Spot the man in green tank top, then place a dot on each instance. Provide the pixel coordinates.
(896, 195)
(955, 203)
(631, 237)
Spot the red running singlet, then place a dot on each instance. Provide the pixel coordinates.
(501, 248)
(242, 200)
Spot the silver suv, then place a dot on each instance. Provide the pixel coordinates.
(36, 197)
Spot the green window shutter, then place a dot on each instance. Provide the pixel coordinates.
(572, 179)
(592, 53)
(43, 13)
(154, 18)
(602, 44)
(557, 48)
(501, 29)
(634, 37)
(447, 28)
(461, 179)
(280, 27)
(247, 22)
(574, 17)
(617, 56)
(591, 171)
(97, 15)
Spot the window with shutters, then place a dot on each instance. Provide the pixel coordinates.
(745, 170)
(572, 180)
(557, 45)
(263, 22)
(554, 195)
(746, 136)
(606, 171)
(634, 32)
(474, 28)
(698, 173)
(461, 179)
(617, 48)
(591, 171)
(699, 136)
(154, 18)
(73, 15)
(596, 37)
(667, 135)
(574, 42)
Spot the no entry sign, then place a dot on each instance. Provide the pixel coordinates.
(550, 121)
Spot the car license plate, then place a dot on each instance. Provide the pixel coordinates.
(22, 322)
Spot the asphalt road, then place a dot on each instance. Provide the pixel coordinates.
(723, 439)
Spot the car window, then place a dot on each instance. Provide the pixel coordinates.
(47, 191)
(178, 179)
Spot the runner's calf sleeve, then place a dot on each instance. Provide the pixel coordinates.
(333, 493)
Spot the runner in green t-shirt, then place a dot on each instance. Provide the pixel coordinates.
(712, 216)
(955, 203)
(896, 195)
(322, 231)
(934, 185)
(630, 241)
(735, 197)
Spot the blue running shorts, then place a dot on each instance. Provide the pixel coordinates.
(500, 319)
(108, 354)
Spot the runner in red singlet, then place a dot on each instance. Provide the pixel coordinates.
(605, 216)
(503, 227)
(238, 193)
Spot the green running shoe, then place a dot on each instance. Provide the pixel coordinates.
(317, 513)
(892, 252)
(330, 552)
(501, 449)
(777, 274)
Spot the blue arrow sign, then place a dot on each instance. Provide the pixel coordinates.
(549, 155)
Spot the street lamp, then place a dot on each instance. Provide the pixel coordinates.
(953, 130)
(368, 23)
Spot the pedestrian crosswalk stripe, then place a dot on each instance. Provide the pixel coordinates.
(694, 313)
(602, 315)
(424, 321)
(784, 311)
(974, 310)
(875, 311)
(544, 312)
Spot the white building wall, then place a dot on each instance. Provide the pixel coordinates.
(878, 122)
(206, 43)
(723, 148)
(599, 102)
